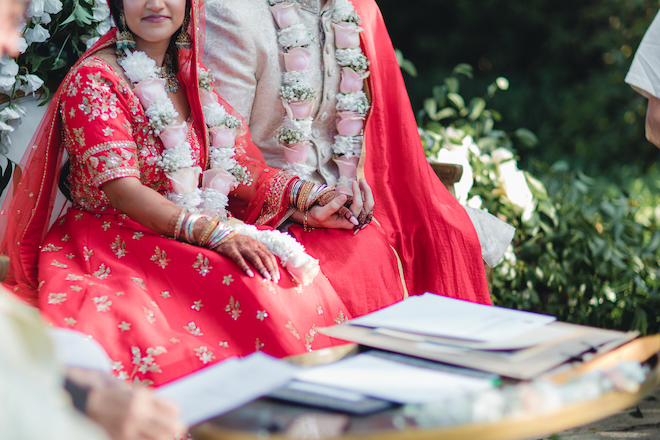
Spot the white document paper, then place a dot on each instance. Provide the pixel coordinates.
(436, 315)
(394, 381)
(226, 386)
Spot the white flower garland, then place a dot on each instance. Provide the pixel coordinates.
(294, 39)
(180, 168)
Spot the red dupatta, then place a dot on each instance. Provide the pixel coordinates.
(26, 213)
(411, 202)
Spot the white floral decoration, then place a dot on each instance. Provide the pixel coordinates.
(295, 36)
(138, 66)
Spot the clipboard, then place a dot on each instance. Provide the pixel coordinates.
(578, 343)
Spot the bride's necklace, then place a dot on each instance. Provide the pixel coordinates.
(298, 97)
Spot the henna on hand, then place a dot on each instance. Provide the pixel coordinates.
(242, 249)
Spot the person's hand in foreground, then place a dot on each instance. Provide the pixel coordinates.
(124, 412)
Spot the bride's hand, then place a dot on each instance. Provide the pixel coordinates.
(241, 248)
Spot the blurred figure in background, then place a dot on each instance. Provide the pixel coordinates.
(644, 77)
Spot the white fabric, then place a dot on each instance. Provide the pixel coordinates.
(644, 71)
(33, 403)
(75, 349)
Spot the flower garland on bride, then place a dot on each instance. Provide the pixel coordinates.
(151, 85)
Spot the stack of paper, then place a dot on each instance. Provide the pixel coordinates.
(226, 386)
(512, 343)
(393, 381)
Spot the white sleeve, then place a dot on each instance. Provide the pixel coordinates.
(644, 71)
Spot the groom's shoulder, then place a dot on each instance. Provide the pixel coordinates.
(235, 6)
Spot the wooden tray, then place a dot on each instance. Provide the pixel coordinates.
(382, 426)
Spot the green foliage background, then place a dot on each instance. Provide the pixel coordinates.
(590, 252)
(566, 61)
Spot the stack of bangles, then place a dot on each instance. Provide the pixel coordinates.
(304, 194)
(212, 236)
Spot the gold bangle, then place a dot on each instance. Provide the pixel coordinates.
(304, 194)
(206, 232)
(229, 236)
(179, 223)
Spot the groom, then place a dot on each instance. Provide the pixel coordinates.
(320, 87)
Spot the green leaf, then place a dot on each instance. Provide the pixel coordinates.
(440, 95)
(69, 19)
(464, 69)
(431, 108)
(447, 112)
(452, 84)
(502, 83)
(526, 137)
(478, 105)
(457, 100)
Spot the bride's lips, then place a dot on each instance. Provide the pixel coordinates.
(155, 18)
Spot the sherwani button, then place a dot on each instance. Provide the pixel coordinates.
(316, 133)
(324, 116)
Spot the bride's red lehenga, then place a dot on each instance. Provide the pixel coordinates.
(161, 308)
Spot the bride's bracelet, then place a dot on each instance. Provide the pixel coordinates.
(212, 236)
(305, 193)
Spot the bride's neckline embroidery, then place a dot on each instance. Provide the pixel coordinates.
(299, 97)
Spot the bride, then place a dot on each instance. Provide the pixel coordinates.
(146, 260)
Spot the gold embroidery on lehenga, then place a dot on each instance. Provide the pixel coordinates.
(102, 272)
(124, 326)
(309, 338)
(319, 310)
(149, 315)
(202, 265)
(87, 253)
(66, 236)
(70, 321)
(224, 344)
(160, 258)
(193, 329)
(102, 303)
(233, 308)
(76, 288)
(289, 326)
(147, 363)
(70, 256)
(51, 248)
(204, 354)
(139, 282)
(341, 318)
(227, 280)
(73, 277)
(258, 345)
(56, 298)
(138, 235)
(119, 247)
(58, 264)
(165, 294)
(261, 315)
(197, 305)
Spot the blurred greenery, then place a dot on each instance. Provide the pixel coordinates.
(565, 60)
(586, 250)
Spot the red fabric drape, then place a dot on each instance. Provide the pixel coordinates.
(436, 240)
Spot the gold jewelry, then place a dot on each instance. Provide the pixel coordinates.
(179, 222)
(305, 227)
(206, 233)
(303, 195)
(183, 40)
(125, 40)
